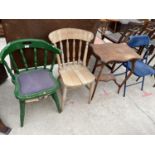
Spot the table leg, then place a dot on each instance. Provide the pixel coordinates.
(97, 79)
(96, 62)
(128, 76)
(4, 129)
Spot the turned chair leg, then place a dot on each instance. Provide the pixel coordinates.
(64, 96)
(142, 86)
(22, 112)
(91, 90)
(56, 99)
(125, 86)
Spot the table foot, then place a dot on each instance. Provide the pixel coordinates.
(4, 129)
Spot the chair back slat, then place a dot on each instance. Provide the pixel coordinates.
(74, 36)
(62, 55)
(85, 54)
(79, 52)
(70, 33)
(35, 58)
(15, 67)
(24, 59)
(73, 50)
(68, 53)
(45, 58)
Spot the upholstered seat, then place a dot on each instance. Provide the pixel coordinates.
(35, 81)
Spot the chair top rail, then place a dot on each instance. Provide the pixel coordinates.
(70, 33)
(26, 43)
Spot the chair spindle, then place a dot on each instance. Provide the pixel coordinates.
(53, 61)
(9, 70)
(68, 54)
(24, 59)
(58, 57)
(14, 63)
(73, 50)
(45, 58)
(35, 58)
(79, 53)
(85, 54)
(62, 55)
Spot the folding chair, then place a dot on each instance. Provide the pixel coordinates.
(141, 69)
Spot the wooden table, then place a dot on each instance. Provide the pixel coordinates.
(110, 53)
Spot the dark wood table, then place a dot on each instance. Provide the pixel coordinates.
(3, 128)
(111, 53)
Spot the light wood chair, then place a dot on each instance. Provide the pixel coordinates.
(72, 62)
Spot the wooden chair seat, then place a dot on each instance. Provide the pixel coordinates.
(76, 75)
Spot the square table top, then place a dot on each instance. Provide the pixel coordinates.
(111, 52)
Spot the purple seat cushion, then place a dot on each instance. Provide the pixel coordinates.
(35, 81)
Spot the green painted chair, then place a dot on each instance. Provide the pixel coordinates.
(32, 82)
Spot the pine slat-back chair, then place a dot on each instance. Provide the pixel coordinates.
(31, 83)
(72, 67)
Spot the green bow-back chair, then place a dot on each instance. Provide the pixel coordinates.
(35, 81)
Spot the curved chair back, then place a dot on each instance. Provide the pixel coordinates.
(20, 46)
(69, 40)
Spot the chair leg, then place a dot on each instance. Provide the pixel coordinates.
(56, 99)
(22, 112)
(125, 83)
(64, 96)
(114, 70)
(142, 83)
(91, 90)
